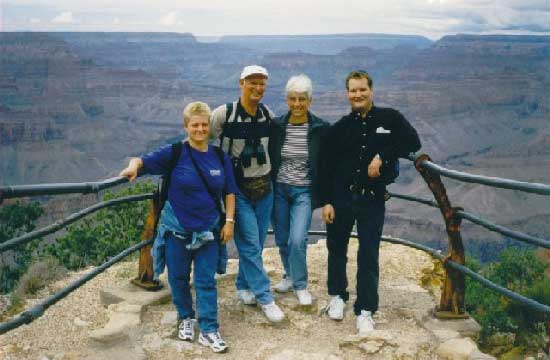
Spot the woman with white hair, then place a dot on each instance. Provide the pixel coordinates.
(190, 221)
(294, 146)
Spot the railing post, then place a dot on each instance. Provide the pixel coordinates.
(145, 269)
(452, 296)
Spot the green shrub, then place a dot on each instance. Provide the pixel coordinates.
(96, 238)
(522, 272)
(488, 308)
(17, 219)
(534, 326)
(39, 274)
(517, 269)
(16, 305)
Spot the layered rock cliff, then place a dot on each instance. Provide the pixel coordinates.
(73, 107)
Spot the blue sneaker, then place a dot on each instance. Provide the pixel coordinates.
(214, 341)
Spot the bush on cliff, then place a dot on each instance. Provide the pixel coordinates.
(17, 219)
(96, 238)
(522, 272)
(40, 273)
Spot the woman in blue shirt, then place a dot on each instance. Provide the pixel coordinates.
(190, 222)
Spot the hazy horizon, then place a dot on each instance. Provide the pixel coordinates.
(216, 38)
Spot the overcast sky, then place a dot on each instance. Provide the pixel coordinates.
(431, 18)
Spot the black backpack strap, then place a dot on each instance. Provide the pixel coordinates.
(220, 154)
(265, 112)
(167, 177)
(176, 153)
(228, 112)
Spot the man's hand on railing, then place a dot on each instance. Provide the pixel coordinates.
(328, 214)
(131, 171)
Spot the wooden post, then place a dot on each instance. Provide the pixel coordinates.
(145, 269)
(452, 296)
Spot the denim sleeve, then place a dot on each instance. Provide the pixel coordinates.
(230, 184)
(158, 252)
(156, 162)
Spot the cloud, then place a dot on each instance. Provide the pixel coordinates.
(432, 18)
(483, 16)
(169, 19)
(34, 21)
(66, 17)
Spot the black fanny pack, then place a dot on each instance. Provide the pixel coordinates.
(255, 188)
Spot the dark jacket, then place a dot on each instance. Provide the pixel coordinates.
(317, 128)
(350, 145)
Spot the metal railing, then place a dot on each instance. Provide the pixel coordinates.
(144, 277)
(38, 310)
(17, 191)
(452, 297)
(58, 225)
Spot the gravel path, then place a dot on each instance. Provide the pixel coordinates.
(62, 333)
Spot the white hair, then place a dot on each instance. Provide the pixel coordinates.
(299, 84)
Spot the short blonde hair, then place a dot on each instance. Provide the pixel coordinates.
(195, 108)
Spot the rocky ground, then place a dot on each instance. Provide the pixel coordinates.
(143, 327)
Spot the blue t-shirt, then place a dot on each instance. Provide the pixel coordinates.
(193, 205)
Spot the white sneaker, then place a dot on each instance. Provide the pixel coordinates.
(214, 341)
(186, 329)
(365, 322)
(273, 312)
(283, 286)
(247, 297)
(304, 297)
(336, 308)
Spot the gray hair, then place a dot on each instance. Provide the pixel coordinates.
(300, 84)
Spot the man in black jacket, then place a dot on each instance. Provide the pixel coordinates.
(359, 158)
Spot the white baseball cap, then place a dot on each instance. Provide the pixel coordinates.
(252, 70)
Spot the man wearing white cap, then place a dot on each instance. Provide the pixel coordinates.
(243, 129)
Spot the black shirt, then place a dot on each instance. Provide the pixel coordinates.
(351, 144)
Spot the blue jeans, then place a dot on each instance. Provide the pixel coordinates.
(291, 222)
(251, 223)
(169, 222)
(178, 262)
